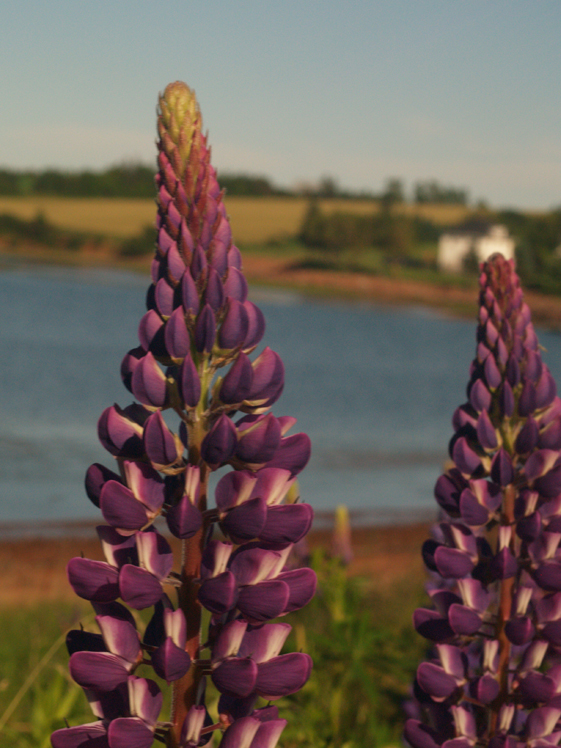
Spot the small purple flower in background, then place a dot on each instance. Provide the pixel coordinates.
(494, 678)
(193, 362)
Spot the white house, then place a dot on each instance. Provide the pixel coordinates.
(479, 237)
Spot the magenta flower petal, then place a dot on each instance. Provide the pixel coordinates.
(184, 520)
(93, 580)
(268, 376)
(259, 437)
(93, 735)
(236, 385)
(118, 549)
(452, 563)
(287, 523)
(264, 642)
(100, 671)
(120, 637)
(219, 444)
(246, 521)
(293, 454)
(484, 689)
(138, 587)
(170, 661)
(263, 601)
(421, 736)
(283, 675)
(235, 326)
(120, 507)
(235, 286)
(234, 488)
(463, 620)
(176, 335)
(189, 382)
(159, 443)
(205, 330)
(253, 565)
(229, 640)
(130, 732)
(302, 584)
(120, 435)
(154, 553)
(96, 476)
(240, 734)
(268, 733)
(148, 382)
(465, 458)
(235, 676)
(219, 594)
(189, 294)
(256, 326)
(435, 680)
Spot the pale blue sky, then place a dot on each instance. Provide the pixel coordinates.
(465, 91)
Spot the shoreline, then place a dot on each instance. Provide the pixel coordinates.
(282, 272)
(34, 569)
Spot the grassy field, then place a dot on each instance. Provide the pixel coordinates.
(254, 220)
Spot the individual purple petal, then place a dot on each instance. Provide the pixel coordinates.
(501, 468)
(214, 292)
(235, 285)
(176, 335)
(484, 689)
(96, 476)
(189, 294)
(215, 558)
(471, 511)
(160, 445)
(93, 580)
(519, 630)
(219, 594)
(541, 722)
(552, 632)
(264, 642)
(486, 431)
(241, 733)
(120, 435)
(205, 330)
(189, 382)
(129, 363)
(150, 331)
(492, 373)
(100, 671)
(246, 521)
(435, 680)
(479, 396)
(175, 265)
(287, 523)
(268, 733)
(550, 436)
(283, 675)
(549, 486)
(292, 454)
(79, 640)
(302, 585)
(145, 699)
(506, 401)
(118, 549)
(183, 519)
(268, 375)
(163, 295)
(272, 484)
(504, 565)
(419, 735)
(130, 732)
(432, 625)
(527, 439)
(236, 487)
(154, 553)
(447, 494)
(236, 385)
(146, 484)
(92, 735)
(253, 565)
(539, 463)
(235, 676)
(466, 460)
(192, 726)
(229, 640)
(220, 442)
(452, 563)
(264, 601)
(548, 576)
(545, 389)
(256, 326)
(463, 620)
(138, 587)
(120, 507)
(234, 328)
(120, 637)
(527, 399)
(259, 437)
(170, 661)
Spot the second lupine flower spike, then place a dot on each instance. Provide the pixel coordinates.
(193, 362)
(494, 558)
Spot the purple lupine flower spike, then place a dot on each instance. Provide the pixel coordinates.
(195, 361)
(494, 679)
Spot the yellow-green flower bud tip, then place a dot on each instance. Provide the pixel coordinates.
(179, 121)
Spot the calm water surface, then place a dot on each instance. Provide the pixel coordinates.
(374, 388)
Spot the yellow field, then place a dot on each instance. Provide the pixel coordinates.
(254, 220)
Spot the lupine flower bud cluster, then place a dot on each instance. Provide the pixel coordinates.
(494, 678)
(193, 362)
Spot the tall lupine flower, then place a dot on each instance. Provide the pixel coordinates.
(194, 362)
(494, 677)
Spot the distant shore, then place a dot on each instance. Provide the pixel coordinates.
(33, 570)
(281, 271)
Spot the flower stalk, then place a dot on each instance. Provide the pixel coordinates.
(193, 361)
(494, 678)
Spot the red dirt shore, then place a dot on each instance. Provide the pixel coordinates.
(34, 569)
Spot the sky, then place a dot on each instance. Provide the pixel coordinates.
(467, 92)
